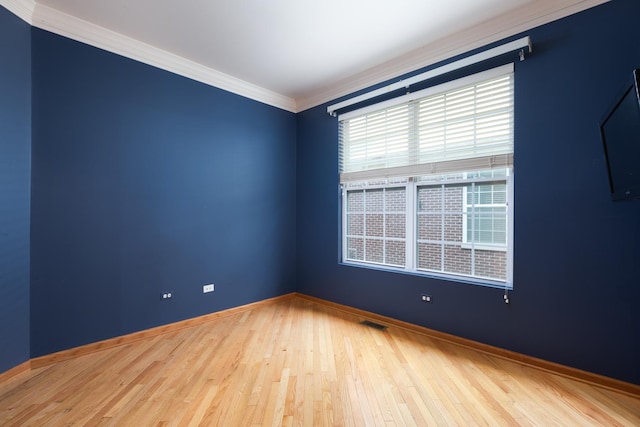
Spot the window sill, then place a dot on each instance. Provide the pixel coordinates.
(484, 247)
(479, 281)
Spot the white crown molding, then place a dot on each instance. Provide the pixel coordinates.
(23, 9)
(520, 20)
(491, 31)
(66, 25)
(60, 23)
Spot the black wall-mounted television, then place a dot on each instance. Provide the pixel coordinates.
(620, 132)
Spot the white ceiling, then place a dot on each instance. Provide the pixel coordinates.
(308, 52)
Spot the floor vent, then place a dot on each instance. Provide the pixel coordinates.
(373, 325)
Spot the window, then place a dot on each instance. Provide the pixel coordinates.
(427, 180)
(485, 209)
(376, 225)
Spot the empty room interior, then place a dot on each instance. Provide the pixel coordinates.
(305, 213)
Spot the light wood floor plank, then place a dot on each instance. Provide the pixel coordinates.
(297, 363)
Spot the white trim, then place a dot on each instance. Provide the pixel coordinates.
(23, 9)
(364, 212)
(343, 207)
(50, 19)
(465, 204)
(510, 223)
(483, 247)
(411, 234)
(518, 21)
(475, 280)
(410, 225)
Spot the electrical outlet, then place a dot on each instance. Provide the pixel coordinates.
(207, 288)
(426, 298)
(166, 295)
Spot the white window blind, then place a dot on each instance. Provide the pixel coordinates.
(462, 125)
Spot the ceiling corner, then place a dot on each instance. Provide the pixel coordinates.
(23, 9)
(50, 19)
(491, 31)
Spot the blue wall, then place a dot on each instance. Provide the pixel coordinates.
(146, 182)
(15, 170)
(576, 297)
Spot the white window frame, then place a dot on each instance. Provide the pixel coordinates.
(411, 235)
(465, 228)
(368, 177)
(384, 239)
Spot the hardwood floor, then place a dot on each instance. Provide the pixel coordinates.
(296, 363)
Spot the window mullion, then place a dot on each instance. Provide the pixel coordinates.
(364, 226)
(473, 228)
(410, 225)
(442, 227)
(384, 225)
(509, 281)
(411, 189)
(345, 226)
